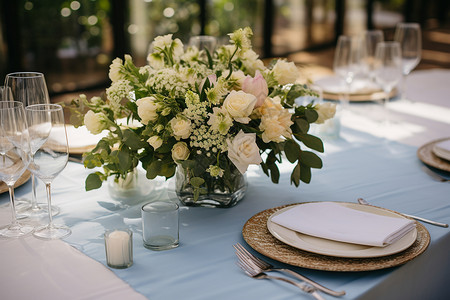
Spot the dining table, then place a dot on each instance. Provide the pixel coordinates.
(361, 161)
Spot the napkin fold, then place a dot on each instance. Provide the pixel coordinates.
(332, 221)
(442, 149)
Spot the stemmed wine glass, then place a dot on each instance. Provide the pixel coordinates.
(28, 88)
(14, 158)
(410, 38)
(347, 61)
(388, 68)
(203, 42)
(50, 156)
(370, 40)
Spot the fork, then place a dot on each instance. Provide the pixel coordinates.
(261, 275)
(243, 254)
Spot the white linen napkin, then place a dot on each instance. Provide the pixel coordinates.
(442, 149)
(336, 85)
(81, 137)
(332, 221)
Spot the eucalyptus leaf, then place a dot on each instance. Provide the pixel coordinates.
(305, 173)
(302, 124)
(154, 169)
(295, 175)
(310, 141)
(132, 140)
(292, 150)
(311, 115)
(197, 181)
(93, 181)
(310, 159)
(125, 161)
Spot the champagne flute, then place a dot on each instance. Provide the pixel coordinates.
(388, 69)
(50, 157)
(370, 40)
(28, 88)
(14, 158)
(410, 38)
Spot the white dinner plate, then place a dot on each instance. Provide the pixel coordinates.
(335, 85)
(340, 249)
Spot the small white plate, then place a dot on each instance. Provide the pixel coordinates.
(340, 249)
(335, 85)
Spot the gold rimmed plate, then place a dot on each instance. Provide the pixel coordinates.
(427, 156)
(22, 179)
(340, 249)
(257, 236)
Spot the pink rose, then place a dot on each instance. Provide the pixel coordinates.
(257, 86)
(212, 81)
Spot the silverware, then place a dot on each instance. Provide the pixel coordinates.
(364, 202)
(261, 275)
(243, 254)
(435, 175)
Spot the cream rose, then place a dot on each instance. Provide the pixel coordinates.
(325, 111)
(240, 105)
(275, 126)
(147, 109)
(95, 122)
(181, 127)
(180, 151)
(155, 141)
(285, 72)
(115, 70)
(243, 151)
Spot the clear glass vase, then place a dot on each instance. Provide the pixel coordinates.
(131, 190)
(216, 191)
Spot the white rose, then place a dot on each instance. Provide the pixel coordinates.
(239, 105)
(95, 122)
(156, 61)
(181, 127)
(251, 62)
(325, 111)
(285, 72)
(243, 151)
(155, 141)
(115, 70)
(147, 109)
(180, 151)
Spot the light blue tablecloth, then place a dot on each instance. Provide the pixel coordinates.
(387, 174)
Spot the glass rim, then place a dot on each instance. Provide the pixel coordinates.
(7, 104)
(169, 206)
(42, 107)
(25, 74)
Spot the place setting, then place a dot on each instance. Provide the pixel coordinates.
(436, 154)
(323, 236)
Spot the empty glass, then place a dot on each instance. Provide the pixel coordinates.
(370, 40)
(28, 88)
(51, 153)
(410, 38)
(160, 225)
(347, 61)
(388, 68)
(14, 158)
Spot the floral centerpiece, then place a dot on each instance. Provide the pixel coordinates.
(203, 116)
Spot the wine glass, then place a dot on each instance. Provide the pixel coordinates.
(410, 38)
(14, 158)
(204, 43)
(50, 156)
(388, 68)
(370, 40)
(347, 61)
(28, 88)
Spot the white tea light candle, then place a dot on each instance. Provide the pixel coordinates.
(119, 248)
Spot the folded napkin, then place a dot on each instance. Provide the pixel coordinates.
(332, 221)
(336, 85)
(80, 137)
(442, 149)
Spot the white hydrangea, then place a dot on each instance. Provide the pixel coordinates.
(116, 93)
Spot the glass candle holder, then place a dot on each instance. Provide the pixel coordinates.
(160, 229)
(119, 248)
